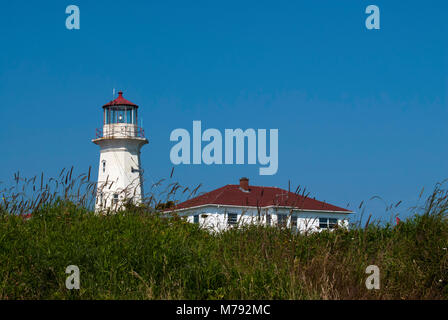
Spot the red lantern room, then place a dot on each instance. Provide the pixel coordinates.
(120, 110)
(120, 120)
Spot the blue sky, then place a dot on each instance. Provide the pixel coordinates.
(360, 113)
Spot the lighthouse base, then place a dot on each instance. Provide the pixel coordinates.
(120, 176)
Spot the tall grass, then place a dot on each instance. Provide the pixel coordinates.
(141, 254)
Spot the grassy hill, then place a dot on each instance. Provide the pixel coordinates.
(137, 254)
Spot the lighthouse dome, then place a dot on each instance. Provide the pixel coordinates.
(120, 101)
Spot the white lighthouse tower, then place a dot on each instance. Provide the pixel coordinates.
(120, 173)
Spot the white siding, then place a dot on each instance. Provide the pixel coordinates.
(214, 218)
(119, 169)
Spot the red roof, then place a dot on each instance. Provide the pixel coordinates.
(120, 101)
(233, 195)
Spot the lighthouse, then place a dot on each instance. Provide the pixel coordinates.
(120, 175)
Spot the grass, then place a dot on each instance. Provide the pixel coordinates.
(139, 254)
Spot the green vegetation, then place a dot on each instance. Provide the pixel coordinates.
(138, 254)
(141, 254)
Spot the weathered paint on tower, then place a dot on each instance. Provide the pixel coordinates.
(120, 176)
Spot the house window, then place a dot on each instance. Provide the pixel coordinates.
(115, 197)
(232, 218)
(281, 219)
(294, 222)
(268, 219)
(328, 223)
(196, 218)
(104, 166)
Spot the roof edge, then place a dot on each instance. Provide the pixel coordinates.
(252, 207)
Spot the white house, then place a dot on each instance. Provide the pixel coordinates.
(240, 204)
(120, 140)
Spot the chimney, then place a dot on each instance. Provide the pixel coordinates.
(244, 184)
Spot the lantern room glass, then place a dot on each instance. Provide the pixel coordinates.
(120, 115)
